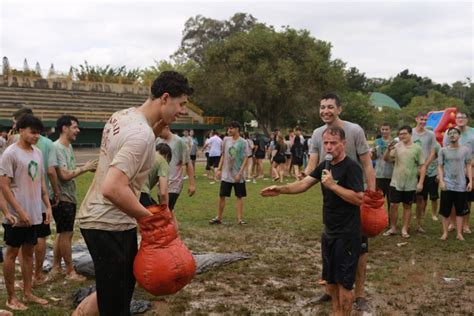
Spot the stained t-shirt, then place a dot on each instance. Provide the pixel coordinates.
(407, 161)
(25, 169)
(179, 159)
(426, 140)
(453, 161)
(341, 219)
(466, 139)
(235, 152)
(128, 144)
(50, 159)
(432, 169)
(160, 169)
(383, 169)
(66, 160)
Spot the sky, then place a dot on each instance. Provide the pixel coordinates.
(380, 38)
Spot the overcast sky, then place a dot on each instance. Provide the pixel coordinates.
(382, 38)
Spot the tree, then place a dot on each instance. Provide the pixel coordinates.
(107, 74)
(275, 76)
(188, 68)
(356, 108)
(200, 31)
(356, 81)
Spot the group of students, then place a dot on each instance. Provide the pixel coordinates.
(413, 166)
(37, 181)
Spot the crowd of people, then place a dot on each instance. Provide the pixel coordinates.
(139, 152)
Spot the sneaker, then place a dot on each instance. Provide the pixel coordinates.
(322, 299)
(185, 177)
(435, 218)
(242, 222)
(360, 304)
(215, 221)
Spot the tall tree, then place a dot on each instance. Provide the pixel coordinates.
(273, 75)
(200, 31)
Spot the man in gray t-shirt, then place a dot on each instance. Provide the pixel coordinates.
(452, 161)
(426, 139)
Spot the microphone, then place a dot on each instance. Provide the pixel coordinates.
(327, 161)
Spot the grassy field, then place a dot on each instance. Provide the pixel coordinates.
(284, 235)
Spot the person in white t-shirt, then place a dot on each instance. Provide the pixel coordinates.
(215, 152)
(23, 184)
(107, 216)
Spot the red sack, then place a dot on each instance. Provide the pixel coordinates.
(163, 264)
(373, 216)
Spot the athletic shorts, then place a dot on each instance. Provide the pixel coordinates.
(340, 258)
(470, 195)
(172, 199)
(113, 253)
(43, 230)
(364, 244)
(214, 161)
(239, 189)
(193, 157)
(260, 154)
(456, 199)
(17, 236)
(430, 186)
(384, 185)
(64, 215)
(207, 161)
(405, 197)
(146, 199)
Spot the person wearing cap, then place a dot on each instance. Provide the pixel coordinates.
(231, 170)
(343, 190)
(357, 149)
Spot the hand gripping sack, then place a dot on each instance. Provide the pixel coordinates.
(163, 264)
(373, 216)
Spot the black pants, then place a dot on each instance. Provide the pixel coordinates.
(113, 253)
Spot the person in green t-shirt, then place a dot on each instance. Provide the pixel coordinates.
(158, 175)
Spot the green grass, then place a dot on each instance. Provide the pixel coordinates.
(284, 235)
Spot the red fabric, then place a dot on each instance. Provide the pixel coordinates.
(373, 216)
(163, 264)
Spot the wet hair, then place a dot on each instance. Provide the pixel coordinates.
(65, 120)
(17, 114)
(164, 150)
(405, 127)
(332, 96)
(171, 82)
(335, 130)
(31, 121)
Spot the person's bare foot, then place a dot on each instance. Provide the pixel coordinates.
(40, 280)
(16, 305)
(55, 273)
(74, 276)
(5, 313)
(444, 237)
(35, 299)
(460, 237)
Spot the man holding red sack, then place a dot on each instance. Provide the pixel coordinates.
(343, 191)
(109, 213)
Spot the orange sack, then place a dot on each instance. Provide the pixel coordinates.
(373, 216)
(163, 264)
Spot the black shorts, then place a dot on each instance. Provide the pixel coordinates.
(113, 253)
(470, 195)
(364, 244)
(64, 215)
(17, 236)
(239, 189)
(193, 157)
(384, 185)
(297, 161)
(456, 199)
(430, 186)
(405, 197)
(146, 199)
(214, 161)
(259, 154)
(340, 259)
(43, 230)
(172, 199)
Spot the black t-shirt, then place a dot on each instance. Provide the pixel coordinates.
(341, 219)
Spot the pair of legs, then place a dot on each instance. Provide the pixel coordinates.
(43, 232)
(225, 190)
(259, 164)
(20, 239)
(453, 204)
(406, 198)
(64, 215)
(297, 171)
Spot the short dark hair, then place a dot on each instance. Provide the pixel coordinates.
(453, 128)
(164, 150)
(332, 96)
(17, 114)
(65, 120)
(31, 121)
(386, 124)
(335, 130)
(405, 127)
(235, 124)
(171, 82)
(421, 113)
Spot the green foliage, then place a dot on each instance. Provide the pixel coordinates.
(106, 74)
(356, 108)
(187, 68)
(273, 75)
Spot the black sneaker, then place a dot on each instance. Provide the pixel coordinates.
(360, 304)
(215, 221)
(322, 299)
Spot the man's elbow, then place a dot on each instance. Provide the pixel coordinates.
(108, 193)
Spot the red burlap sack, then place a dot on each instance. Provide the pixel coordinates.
(373, 216)
(163, 264)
